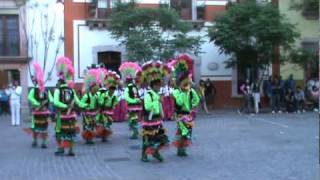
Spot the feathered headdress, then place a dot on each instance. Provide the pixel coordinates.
(102, 75)
(92, 78)
(65, 70)
(39, 76)
(111, 79)
(129, 70)
(183, 68)
(154, 70)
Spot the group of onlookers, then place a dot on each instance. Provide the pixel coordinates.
(277, 94)
(11, 97)
(206, 91)
(280, 95)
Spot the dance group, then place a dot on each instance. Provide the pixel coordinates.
(97, 104)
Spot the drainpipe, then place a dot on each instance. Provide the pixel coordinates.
(194, 10)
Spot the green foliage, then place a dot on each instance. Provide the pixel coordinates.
(151, 33)
(304, 58)
(312, 5)
(250, 33)
(308, 8)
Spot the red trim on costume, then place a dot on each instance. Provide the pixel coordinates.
(88, 135)
(108, 112)
(152, 123)
(134, 107)
(66, 144)
(70, 116)
(182, 143)
(28, 130)
(102, 132)
(41, 112)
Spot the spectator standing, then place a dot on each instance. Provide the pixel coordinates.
(247, 94)
(290, 101)
(291, 84)
(15, 102)
(210, 92)
(202, 95)
(4, 101)
(256, 96)
(276, 96)
(300, 99)
(315, 96)
(267, 90)
(282, 91)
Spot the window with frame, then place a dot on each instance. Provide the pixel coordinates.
(201, 10)
(312, 47)
(9, 35)
(311, 9)
(101, 8)
(183, 7)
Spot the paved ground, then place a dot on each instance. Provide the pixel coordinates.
(226, 147)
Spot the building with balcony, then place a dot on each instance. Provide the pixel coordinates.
(13, 47)
(307, 23)
(87, 40)
(81, 32)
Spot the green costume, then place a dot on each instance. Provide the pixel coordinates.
(134, 108)
(89, 116)
(107, 102)
(40, 114)
(153, 133)
(65, 98)
(186, 101)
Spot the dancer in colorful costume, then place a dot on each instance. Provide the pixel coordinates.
(129, 71)
(121, 110)
(91, 83)
(107, 101)
(39, 98)
(65, 99)
(166, 95)
(153, 134)
(186, 100)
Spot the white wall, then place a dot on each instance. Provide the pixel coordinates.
(37, 23)
(139, 1)
(212, 57)
(85, 40)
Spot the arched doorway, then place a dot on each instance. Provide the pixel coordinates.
(111, 60)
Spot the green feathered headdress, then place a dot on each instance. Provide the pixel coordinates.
(92, 78)
(152, 71)
(182, 69)
(129, 70)
(111, 79)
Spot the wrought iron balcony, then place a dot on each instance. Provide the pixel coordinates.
(99, 13)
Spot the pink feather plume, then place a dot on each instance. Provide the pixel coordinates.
(39, 75)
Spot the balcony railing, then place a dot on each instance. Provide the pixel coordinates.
(99, 13)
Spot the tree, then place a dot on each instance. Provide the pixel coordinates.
(44, 46)
(250, 33)
(308, 8)
(152, 34)
(306, 59)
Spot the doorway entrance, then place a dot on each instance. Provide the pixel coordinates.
(110, 59)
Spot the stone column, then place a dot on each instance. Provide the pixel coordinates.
(197, 70)
(194, 10)
(25, 114)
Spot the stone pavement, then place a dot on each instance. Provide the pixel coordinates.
(226, 146)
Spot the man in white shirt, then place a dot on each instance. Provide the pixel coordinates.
(15, 99)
